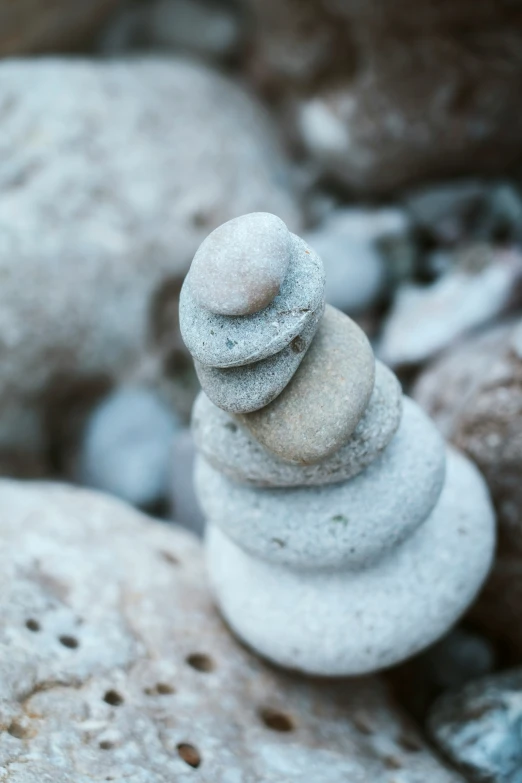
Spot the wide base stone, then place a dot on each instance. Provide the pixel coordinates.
(345, 622)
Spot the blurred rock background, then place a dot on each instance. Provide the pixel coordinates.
(389, 135)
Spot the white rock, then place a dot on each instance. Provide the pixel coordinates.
(127, 447)
(425, 319)
(351, 244)
(350, 524)
(343, 622)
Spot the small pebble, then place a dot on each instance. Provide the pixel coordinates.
(127, 447)
(325, 400)
(238, 269)
(230, 448)
(231, 341)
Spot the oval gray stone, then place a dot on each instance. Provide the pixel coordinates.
(252, 386)
(350, 524)
(231, 449)
(325, 400)
(230, 341)
(342, 622)
(239, 267)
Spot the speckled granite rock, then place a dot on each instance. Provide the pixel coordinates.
(231, 341)
(252, 386)
(30, 26)
(478, 728)
(328, 526)
(325, 400)
(474, 393)
(231, 449)
(104, 678)
(87, 221)
(382, 97)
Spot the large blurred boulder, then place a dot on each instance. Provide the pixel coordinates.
(384, 94)
(111, 174)
(115, 665)
(474, 393)
(28, 26)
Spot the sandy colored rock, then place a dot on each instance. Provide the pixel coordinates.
(96, 233)
(325, 400)
(228, 341)
(329, 526)
(383, 97)
(344, 622)
(474, 393)
(30, 26)
(103, 677)
(238, 269)
(231, 449)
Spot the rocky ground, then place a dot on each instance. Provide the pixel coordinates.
(389, 140)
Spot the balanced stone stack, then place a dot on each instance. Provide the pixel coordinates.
(342, 535)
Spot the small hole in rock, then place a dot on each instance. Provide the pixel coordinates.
(17, 730)
(69, 641)
(201, 662)
(169, 557)
(297, 345)
(392, 762)
(33, 625)
(164, 689)
(113, 698)
(189, 754)
(106, 745)
(275, 720)
(409, 742)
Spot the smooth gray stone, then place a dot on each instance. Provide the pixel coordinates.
(350, 524)
(239, 267)
(343, 622)
(250, 387)
(322, 405)
(233, 451)
(230, 341)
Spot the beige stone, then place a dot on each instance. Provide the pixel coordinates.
(115, 665)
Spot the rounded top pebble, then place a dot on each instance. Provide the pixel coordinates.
(238, 269)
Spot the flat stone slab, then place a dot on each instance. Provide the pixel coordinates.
(115, 664)
(252, 386)
(230, 341)
(342, 622)
(350, 524)
(239, 267)
(231, 449)
(325, 400)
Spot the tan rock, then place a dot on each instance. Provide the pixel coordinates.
(29, 26)
(383, 95)
(474, 393)
(114, 664)
(325, 400)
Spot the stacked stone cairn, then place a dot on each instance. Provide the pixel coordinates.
(343, 536)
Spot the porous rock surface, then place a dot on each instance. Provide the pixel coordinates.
(29, 26)
(382, 97)
(116, 666)
(474, 393)
(112, 173)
